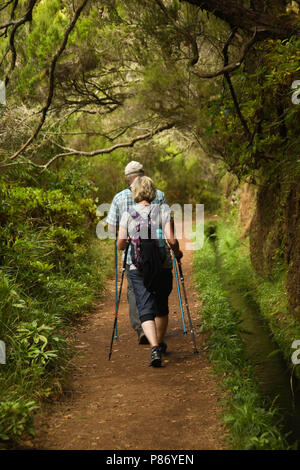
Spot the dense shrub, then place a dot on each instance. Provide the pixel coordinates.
(52, 268)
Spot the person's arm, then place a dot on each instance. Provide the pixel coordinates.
(123, 238)
(172, 241)
(165, 209)
(169, 229)
(113, 217)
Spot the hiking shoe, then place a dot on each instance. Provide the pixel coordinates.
(155, 360)
(142, 338)
(163, 347)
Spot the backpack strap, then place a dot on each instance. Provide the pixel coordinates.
(149, 225)
(134, 214)
(156, 218)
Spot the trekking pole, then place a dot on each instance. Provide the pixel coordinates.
(116, 285)
(118, 303)
(179, 293)
(187, 308)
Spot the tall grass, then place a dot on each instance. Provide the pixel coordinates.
(251, 422)
(270, 294)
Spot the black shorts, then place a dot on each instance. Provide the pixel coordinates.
(152, 305)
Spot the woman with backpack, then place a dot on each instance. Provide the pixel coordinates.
(146, 227)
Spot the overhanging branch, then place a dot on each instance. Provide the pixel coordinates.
(231, 87)
(229, 67)
(53, 64)
(128, 144)
(236, 15)
(16, 25)
(189, 37)
(70, 151)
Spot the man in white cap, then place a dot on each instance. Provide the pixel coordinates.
(120, 204)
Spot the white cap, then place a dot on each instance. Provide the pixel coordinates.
(134, 168)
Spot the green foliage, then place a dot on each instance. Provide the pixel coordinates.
(264, 93)
(15, 418)
(33, 342)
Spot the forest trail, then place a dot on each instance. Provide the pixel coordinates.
(124, 404)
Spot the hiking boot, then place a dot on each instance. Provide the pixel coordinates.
(163, 347)
(142, 338)
(155, 360)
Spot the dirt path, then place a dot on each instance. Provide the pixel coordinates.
(125, 404)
